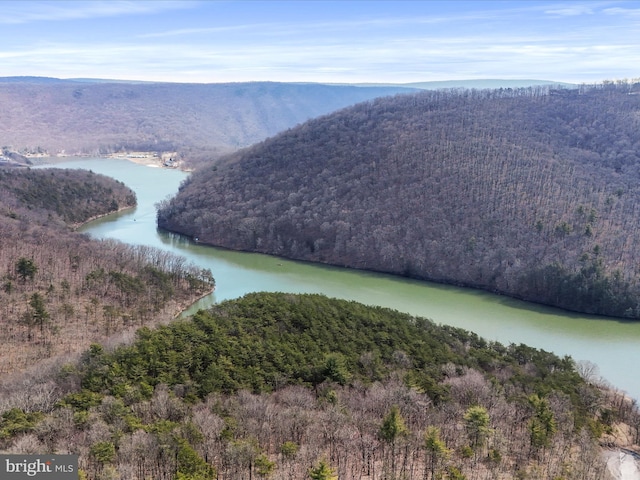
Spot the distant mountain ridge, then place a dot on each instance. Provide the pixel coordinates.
(32, 79)
(532, 193)
(429, 85)
(480, 83)
(487, 83)
(201, 121)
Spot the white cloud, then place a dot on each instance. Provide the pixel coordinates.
(199, 31)
(21, 12)
(627, 12)
(397, 47)
(570, 11)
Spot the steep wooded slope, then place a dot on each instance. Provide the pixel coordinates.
(65, 196)
(272, 384)
(195, 119)
(60, 290)
(533, 193)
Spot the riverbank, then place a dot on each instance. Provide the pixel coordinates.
(169, 160)
(76, 226)
(154, 161)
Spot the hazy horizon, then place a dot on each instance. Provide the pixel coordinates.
(321, 41)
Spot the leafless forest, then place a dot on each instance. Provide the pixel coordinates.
(199, 121)
(60, 291)
(531, 192)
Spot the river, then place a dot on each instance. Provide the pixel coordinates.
(610, 344)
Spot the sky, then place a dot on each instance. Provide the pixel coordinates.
(359, 41)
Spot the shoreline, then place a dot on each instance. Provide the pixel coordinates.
(148, 159)
(76, 226)
(153, 162)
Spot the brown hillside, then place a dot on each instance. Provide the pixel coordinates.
(198, 120)
(533, 193)
(60, 290)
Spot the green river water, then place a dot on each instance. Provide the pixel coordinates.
(611, 344)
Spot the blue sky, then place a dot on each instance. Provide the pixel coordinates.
(321, 41)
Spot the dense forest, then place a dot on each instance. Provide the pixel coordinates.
(529, 192)
(200, 121)
(67, 196)
(60, 290)
(285, 386)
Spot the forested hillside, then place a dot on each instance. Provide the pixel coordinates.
(301, 386)
(66, 196)
(200, 121)
(533, 193)
(59, 290)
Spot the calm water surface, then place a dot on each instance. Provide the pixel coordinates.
(611, 344)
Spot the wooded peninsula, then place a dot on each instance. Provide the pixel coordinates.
(59, 290)
(302, 386)
(531, 193)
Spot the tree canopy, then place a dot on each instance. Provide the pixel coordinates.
(242, 390)
(529, 192)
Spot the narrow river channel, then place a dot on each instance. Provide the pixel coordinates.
(611, 344)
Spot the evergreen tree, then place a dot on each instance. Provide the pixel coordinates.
(26, 268)
(393, 429)
(40, 314)
(436, 449)
(542, 425)
(477, 424)
(322, 471)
